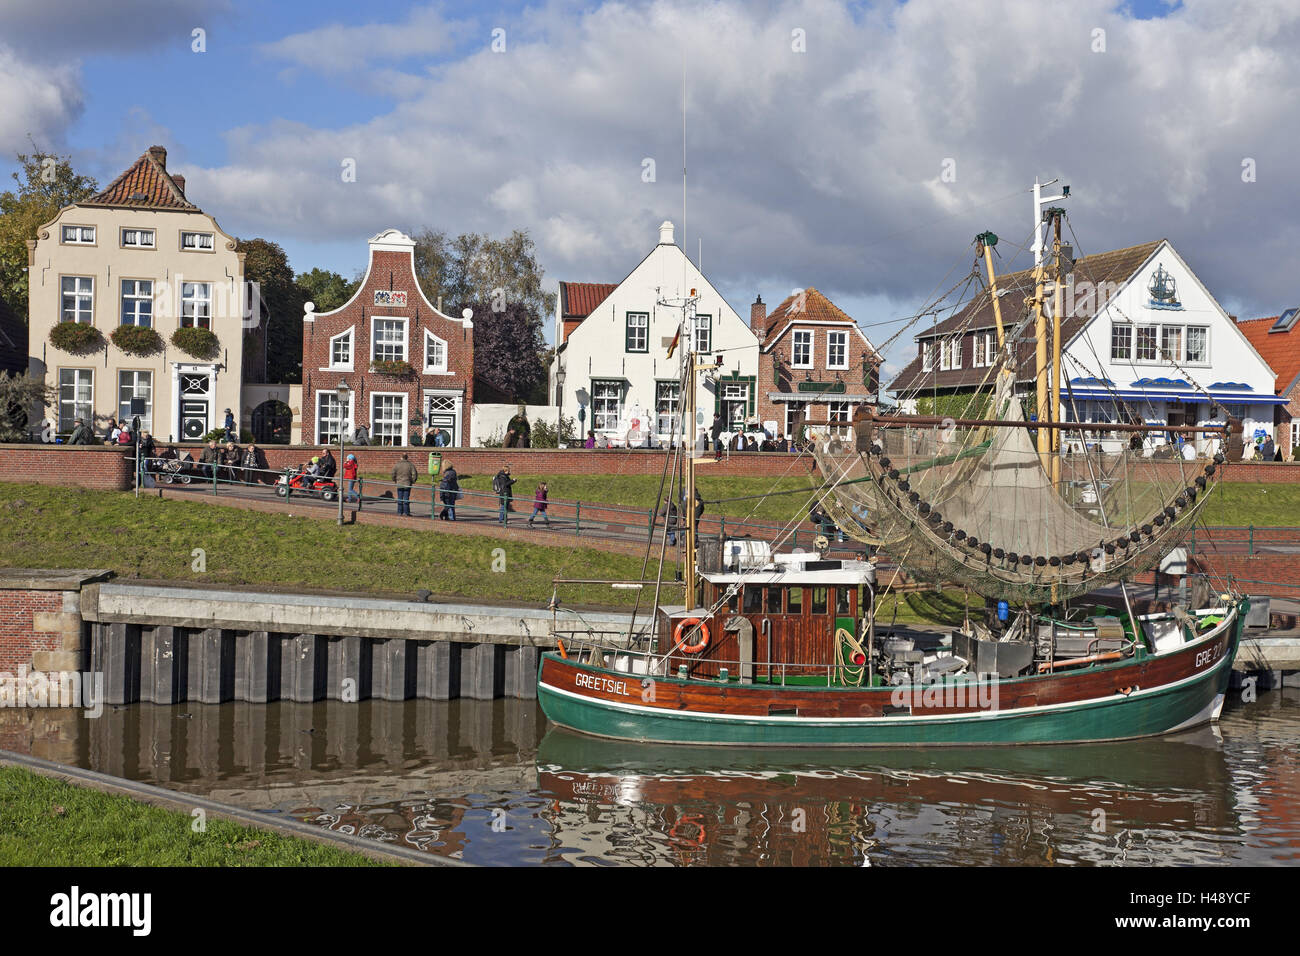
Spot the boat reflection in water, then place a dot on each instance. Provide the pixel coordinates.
(1163, 800)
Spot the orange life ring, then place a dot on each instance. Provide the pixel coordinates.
(704, 635)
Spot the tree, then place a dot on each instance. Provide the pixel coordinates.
(46, 183)
(507, 347)
(501, 280)
(327, 290)
(18, 393)
(282, 302)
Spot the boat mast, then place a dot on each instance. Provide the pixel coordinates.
(1045, 410)
(1056, 349)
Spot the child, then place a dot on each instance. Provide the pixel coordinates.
(539, 505)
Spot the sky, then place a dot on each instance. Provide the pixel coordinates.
(855, 147)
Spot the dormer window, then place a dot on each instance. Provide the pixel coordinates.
(137, 238)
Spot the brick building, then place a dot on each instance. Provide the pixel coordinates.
(813, 360)
(407, 365)
(1277, 340)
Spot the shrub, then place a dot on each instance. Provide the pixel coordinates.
(137, 339)
(200, 343)
(546, 435)
(397, 369)
(78, 338)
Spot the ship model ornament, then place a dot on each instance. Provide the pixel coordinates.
(751, 646)
(1164, 290)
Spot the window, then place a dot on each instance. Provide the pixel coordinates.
(606, 405)
(332, 417)
(1198, 344)
(1121, 342)
(435, 353)
(76, 397)
(1295, 435)
(135, 385)
(792, 412)
(794, 601)
(79, 235)
(638, 332)
(841, 412)
(196, 241)
(927, 356)
(950, 355)
(1146, 343)
(704, 333)
(667, 395)
(196, 305)
(842, 601)
(801, 356)
(1171, 343)
(984, 350)
(387, 419)
(78, 298)
(837, 350)
(773, 605)
(735, 399)
(818, 601)
(388, 340)
(341, 351)
(137, 238)
(752, 603)
(137, 302)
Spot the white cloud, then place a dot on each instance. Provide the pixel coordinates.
(36, 104)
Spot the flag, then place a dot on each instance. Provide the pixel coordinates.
(672, 346)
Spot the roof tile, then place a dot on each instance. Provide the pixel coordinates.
(146, 185)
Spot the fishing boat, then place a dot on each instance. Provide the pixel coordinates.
(756, 647)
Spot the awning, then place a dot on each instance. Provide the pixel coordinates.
(1180, 397)
(818, 398)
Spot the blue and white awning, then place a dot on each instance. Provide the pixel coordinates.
(1170, 390)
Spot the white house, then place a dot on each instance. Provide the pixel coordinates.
(612, 372)
(1138, 328)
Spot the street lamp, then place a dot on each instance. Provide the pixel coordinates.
(344, 394)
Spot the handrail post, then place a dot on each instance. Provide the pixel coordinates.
(577, 518)
(1252, 539)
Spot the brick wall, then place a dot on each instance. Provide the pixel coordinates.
(88, 466)
(1281, 571)
(40, 619)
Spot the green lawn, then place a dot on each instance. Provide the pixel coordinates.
(1246, 503)
(52, 527)
(49, 822)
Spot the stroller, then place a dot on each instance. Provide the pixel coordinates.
(171, 470)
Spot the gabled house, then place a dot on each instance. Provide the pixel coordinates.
(1277, 339)
(139, 253)
(813, 362)
(408, 367)
(612, 373)
(1137, 325)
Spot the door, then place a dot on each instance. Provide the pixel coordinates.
(441, 415)
(195, 405)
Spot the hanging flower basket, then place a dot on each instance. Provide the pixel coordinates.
(137, 340)
(78, 338)
(395, 369)
(200, 343)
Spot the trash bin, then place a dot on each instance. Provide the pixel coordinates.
(435, 464)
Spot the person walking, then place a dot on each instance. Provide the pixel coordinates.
(404, 476)
(350, 476)
(448, 492)
(229, 426)
(501, 486)
(539, 505)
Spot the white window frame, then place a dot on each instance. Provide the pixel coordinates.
(600, 417)
(703, 332)
(196, 309)
(803, 339)
(1175, 355)
(377, 425)
(341, 413)
(950, 355)
(210, 237)
(792, 411)
(136, 297)
(80, 408)
(1155, 344)
(667, 390)
(842, 345)
(78, 294)
(124, 405)
(374, 329)
(642, 329)
(733, 392)
(140, 238)
(927, 356)
(437, 368)
(1187, 337)
(1129, 343)
(345, 335)
(839, 412)
(81, 239)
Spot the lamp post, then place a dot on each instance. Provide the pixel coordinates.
(344, 395)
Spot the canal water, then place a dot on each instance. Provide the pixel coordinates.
(487, 782)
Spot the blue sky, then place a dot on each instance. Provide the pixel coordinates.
(808, 168)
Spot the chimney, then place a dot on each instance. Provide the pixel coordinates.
(159, 153)
(179, 180)
(758, 316)
(665, 233)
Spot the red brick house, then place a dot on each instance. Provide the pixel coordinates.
(407, 365)
(1277, 340)
(813, 360)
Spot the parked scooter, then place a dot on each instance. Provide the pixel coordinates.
(294, 480)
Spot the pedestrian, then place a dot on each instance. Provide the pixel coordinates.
(350, 476)
(328, 466)
(361, 435)
(81, 435)
(669, 511)
(209, 460)
(230, 426)
(591, 440)
(404, 475)
(539, 505)
(148, 449)
(252, 463)
(429, 437)
(501, 485)
(449, 491)
(716, 432)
